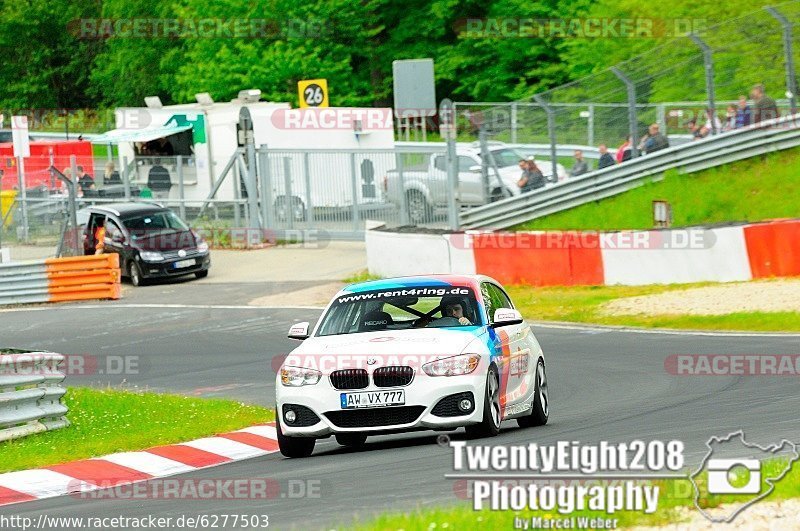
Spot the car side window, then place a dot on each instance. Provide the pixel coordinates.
(465, 163)
(501, 299)
(440, 163)
(112, 229)
(488, 301)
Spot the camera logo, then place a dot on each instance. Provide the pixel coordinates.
(734, 476)
(739, 472)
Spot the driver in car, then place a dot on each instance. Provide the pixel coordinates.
(456, 310)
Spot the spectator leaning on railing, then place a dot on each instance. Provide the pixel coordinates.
(532, 178)
(764, 107)
(624, 151)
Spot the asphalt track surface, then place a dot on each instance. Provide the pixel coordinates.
(604, 385)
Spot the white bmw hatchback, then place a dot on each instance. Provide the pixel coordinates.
(434, 352)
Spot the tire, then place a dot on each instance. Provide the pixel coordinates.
(293, 446)
(351, 440)
(541, 401)
(418, 209)
(135, 274)
(201, 274)
(490, 425)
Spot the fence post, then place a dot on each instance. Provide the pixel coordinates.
(447, 118)
(266, 187)
(354, 182)
(551, 132)
(632, 119)
(287, 192)
(252, 192)
(402, 188)
(182, 206)
(126, 180)
(23, 191)
(309, 202)
(513, 122)
(590, 126)
(661, 117)
(791, 84)
(708, 62)
(237, 194)
(73, 195)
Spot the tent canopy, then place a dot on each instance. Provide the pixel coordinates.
(115, 136)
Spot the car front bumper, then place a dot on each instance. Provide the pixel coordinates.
(167, 268)
(422, 394)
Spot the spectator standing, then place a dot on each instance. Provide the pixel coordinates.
(744, 116)
(111, 176)
(624, 151)
(654, 140)
(730, 119)
(764, 107)
(85, 181)
(713, 122)
(580, 167)
(532, 178)
(606, 159)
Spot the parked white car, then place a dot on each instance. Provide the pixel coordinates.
(433, 352)
(427, 190)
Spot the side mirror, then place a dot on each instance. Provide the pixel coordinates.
(476, 168)
(506, 317)
(299, 331)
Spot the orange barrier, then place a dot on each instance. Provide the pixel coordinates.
(539, 259)
(773, 249)
(83, 278)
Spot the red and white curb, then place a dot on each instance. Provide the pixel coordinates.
(131, 467)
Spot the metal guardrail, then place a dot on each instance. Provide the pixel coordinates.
(768, 136)
(31, 393)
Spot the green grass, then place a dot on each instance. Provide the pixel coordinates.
(107, 421)
(360, 276)
(582, 304)
(676, 504)
(756, 189)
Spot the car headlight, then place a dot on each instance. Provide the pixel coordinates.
(149, 256)
(455, 366)
(202, 247)
(298, 376)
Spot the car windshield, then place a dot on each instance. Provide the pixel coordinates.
(506, 157)
(401, 309)
(154, 222)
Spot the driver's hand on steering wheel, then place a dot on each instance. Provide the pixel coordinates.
(464, 321)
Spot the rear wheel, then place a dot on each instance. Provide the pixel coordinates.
(418, 209)
(541, 401)
(351, 440)
(490, 425)
(293, 446)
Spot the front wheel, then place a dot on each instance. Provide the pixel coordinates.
(135, 273)
(490, 425)
(201, 274)
(293, 446)
(541, 401)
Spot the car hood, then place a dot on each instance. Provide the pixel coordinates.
(389, 347)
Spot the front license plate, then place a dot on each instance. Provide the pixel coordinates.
(373, 399)
(183, 263)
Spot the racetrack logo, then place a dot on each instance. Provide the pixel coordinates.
(733, 364)
(318, 118)
(196, 489)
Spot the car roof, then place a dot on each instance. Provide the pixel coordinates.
(472, 281)
(122, 209)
